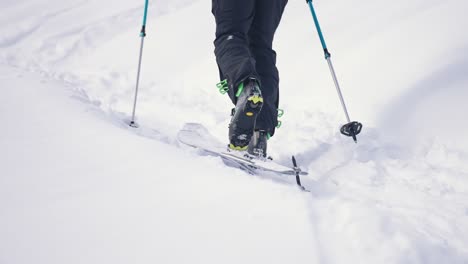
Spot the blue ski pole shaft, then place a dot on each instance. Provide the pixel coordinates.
(142, 35)
(351, 128)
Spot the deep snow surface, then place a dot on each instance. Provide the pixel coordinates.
(77, 185)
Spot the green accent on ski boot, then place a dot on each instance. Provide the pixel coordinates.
(231, 146)
(280, 113)
(268, 136)
(223, 86)
(240, 89)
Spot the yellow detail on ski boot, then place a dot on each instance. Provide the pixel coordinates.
(256, 99)
(231, 146)
(249, 114)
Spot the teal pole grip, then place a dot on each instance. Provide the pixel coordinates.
(319, 30)
(145, 15)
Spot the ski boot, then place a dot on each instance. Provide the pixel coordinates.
(249, 103)
(258, 144)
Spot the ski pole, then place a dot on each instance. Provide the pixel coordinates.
(142, 35)
(351, 129)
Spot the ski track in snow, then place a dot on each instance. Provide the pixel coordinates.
(399, 196)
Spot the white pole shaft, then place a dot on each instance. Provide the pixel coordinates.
(138, 80)
(337, 85)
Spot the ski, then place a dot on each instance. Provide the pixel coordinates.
(195, 135)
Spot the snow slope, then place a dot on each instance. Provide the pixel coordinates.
(79, 186)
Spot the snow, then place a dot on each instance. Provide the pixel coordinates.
(78, 185)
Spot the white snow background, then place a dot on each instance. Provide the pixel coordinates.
(77, 185)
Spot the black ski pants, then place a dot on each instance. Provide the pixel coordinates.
(243, 49)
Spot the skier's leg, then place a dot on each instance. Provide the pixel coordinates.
(267, 18)
(236, 64)
(233, 21)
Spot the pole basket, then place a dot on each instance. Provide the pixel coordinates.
(351, 129)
